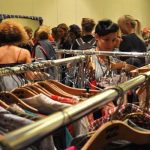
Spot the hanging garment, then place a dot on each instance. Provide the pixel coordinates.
(142, 121)
(44, 104)
(10, 122)
(8, 83)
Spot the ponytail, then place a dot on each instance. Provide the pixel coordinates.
(138, 27)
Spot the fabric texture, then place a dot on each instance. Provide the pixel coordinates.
(45, 104)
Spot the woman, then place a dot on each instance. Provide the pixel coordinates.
(87, 40)
(43, 49)
(11, 35)
(106, 34)
(132, 40)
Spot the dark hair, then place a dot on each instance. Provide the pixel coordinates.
(54, 30)
(63, 26)
(43, 35)
(75, 29)
(87, 24)
(105, 27)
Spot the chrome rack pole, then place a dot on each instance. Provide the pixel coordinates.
(27, 135)
(106, 53)
(37, 65)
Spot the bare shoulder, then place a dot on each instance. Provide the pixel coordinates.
(25, 51)
(25, 55)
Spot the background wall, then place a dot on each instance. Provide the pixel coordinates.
(72, 11)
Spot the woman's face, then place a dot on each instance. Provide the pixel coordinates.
(107, 42)
(124, 26)
(61, 32)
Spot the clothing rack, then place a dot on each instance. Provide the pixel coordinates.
(29, 134)
(37, 65)
(106, 53)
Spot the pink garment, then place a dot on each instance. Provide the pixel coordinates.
(71, 148)
(64, 99)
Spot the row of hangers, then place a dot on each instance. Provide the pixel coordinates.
(47, 87)
(90, 101)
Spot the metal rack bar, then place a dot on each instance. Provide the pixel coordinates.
(38, 65)
(29, 134)
(106, 53)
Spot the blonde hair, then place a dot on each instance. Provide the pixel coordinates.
(44, 28)
(135, 23)
(12, 32)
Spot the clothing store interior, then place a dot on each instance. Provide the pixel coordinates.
(74, 75)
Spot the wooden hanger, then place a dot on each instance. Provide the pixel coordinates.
(3, 104)
(54, 89)
(116, 130)
(137, 71)
(140, 90)
(37, 89)
(30, 89)
(120, 65)
(71, 90)
(10, 98)
(42, 88)
(23, 93)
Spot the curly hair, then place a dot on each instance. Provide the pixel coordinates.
(12, 32)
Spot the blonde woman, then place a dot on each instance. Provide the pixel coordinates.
(131, 39)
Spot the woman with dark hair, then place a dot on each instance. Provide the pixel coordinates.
(106, 33)
(74, 32)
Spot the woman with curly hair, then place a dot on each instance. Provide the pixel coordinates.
(12, 34)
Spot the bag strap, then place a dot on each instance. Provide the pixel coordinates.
(42, 49)
(44, 52)
(80, 41)
(92, 42)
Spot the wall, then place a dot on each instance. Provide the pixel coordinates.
(71, 11)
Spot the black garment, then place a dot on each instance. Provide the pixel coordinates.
(59, 138)
(85, 38)
(125, 145)
(132, 43)
(9, 65)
